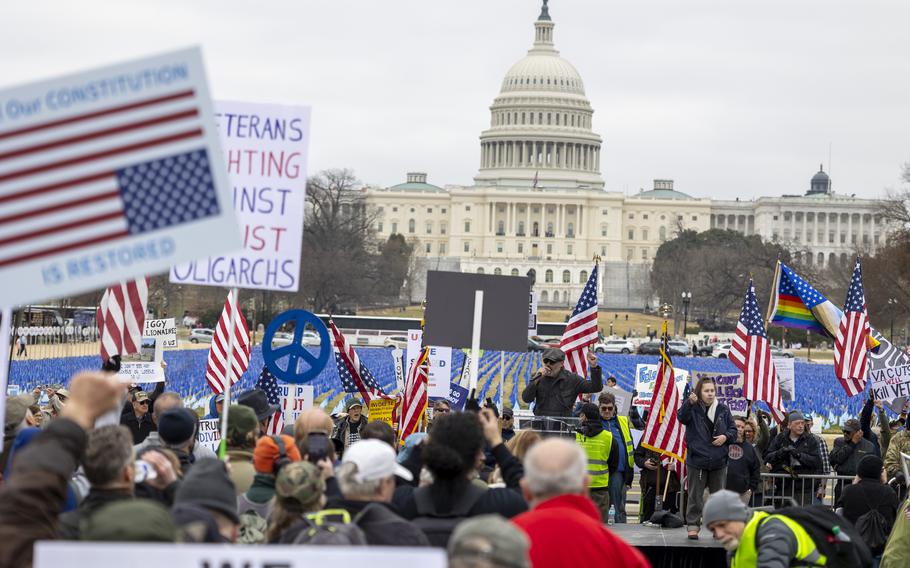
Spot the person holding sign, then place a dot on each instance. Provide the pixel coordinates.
(553, 389)
(709, 430)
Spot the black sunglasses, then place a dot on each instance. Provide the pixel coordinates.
(143, 402)
(549, 362)
(607, 407)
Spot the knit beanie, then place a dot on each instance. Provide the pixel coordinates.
(724, 505)
(177, 426)
(267, 452)
(870, 467)
(208, 485)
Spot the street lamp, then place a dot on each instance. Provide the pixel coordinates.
(892, 305)
(686, 298)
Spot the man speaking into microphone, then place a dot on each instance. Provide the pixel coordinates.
(553, 390)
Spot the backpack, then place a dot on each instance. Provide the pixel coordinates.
(318, 529)
(253, 528)
(438, 527)
(873, 527)
(820, 521)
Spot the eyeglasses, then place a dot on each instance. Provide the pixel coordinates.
(607, 407)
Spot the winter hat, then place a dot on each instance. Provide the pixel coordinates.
(492, 538)
(299, 487)
(795, 415)
(16, 409)
(267, 452)
(724, 505)
(196, 524)
(130, 520)
(870, 467)
(208, 485)
(259, 402)
(177, 426)
(241, 421)
(590, 411)
(354, 401)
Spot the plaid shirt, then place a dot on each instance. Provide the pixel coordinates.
(823, 450)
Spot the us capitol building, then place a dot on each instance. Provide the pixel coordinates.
(539, 204)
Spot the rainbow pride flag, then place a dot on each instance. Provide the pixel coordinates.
(797, 304)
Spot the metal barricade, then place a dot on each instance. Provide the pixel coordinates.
(784, 489)
(549, 426)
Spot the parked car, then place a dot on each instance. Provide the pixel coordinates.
(547, 343)
(534, 345)
(201, 335)
(396, 342)
(623, 346)
(678, 348)
(722, 350)
(706, 350)
(310, 338)
(778, 352)
(649, 348)
(280, 339)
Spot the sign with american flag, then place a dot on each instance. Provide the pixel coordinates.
(581, 330)
(108, 175)
(851, 345)
(290, 399)
(751, 353)
(414, 400)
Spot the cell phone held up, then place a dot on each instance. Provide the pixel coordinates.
(317, 446)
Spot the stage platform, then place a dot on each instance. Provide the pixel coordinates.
(670, 548)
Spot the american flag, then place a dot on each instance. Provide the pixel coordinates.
(751, 353)
(663, 432)
(355, 376)
(121, 318)
(851, 355)
(414, 400)
(115, 172)
(581, 331)
(269, 386)
(216, 370)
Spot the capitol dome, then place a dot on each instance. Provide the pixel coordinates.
(820, 183)
(540, 131)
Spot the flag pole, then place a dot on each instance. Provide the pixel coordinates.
(222, 447)
(666, 483)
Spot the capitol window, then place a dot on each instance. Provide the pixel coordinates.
(566, 277)
(443, 210)
(521, 248)
(631, 215)
(695, 217)
(467, 226)
(645, 216)
(499, 247)
(479, 270)
(603, 230)
(644, 254)
(631, 234)
(412, 209)
(394, 210)
(514, 272)
(644, 234)
(568, 249)
(429, 248)
(429, 227)
(412, 225)
(467, 207)
(548, 276)
(549, 249)
(394, 228)
(467, 246)
(497, 271)
(442, 228)
(429, 209)
(442, 248)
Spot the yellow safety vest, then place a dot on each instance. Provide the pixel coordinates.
(627, 437)
(598, 451)
(747, 554)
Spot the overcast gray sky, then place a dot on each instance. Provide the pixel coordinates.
(729, 98)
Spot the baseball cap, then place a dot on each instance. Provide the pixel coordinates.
(352, 403)
(852, 425)
(299, 487)
(553, 354)
(141, 396)
(795, 415)
(219, 398)
(374, 460)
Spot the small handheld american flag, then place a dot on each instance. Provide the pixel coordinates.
(851, 355)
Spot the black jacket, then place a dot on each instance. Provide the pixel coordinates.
(556, 396)
(743, 467)
(858, 499)
(801, 456)
(649, 476)
(381, 524)
(846, 455)
(700, 432)
(139, 428)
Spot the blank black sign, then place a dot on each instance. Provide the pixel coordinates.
(450, 310)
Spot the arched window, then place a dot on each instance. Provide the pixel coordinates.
(544, 297)
(514, 272)
(583, 277)
(479, 270)
(549, 229)
(565, 297)
(843, 259)
(832, 258)
(548, 276)
(497, 271)
(536, 230)
(532, 274)
(821, 259)
(566, 277)
(412, 226)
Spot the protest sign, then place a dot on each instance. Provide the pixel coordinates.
(729, 390)
(399, 369)
(784, 368)
(890, 383)
(209, 433)
(645, 377)
(623, 400)
(294, 400)
(887, 356)
(440, 364)
(145, 366)
(163, 330)
(129, 156)
(74, 554)
(265, 147)
(12, 390)
(381, 409)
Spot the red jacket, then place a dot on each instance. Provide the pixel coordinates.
(567, 531)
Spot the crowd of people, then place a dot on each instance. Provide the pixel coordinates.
(103, 462)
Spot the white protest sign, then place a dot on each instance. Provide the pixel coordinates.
(130, 159)
(74, 554)
(399, 369)
(440, 364)
(265, 147)
(163, 330)
(646, 376)
(890, 383)
(209, 434)
(145, 366)
(729, 390)
(785, 377)
(294, 400)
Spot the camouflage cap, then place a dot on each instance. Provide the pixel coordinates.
(299, 486)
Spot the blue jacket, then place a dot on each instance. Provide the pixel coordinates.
(213, 412)
(700, 453)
